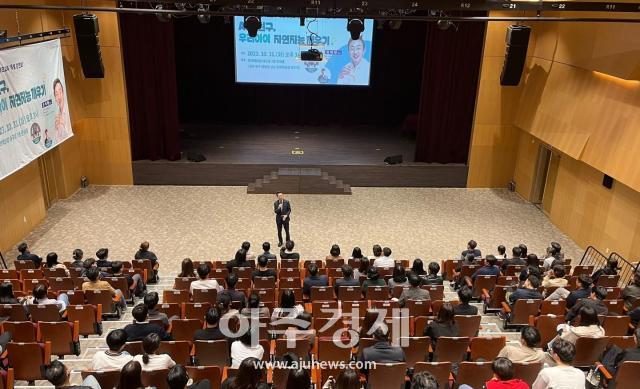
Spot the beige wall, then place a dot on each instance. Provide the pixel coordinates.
(100, 148)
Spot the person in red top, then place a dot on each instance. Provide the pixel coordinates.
(503, 373)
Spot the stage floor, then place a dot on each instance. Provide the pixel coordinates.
(272, 144)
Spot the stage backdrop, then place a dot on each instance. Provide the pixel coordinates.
(34, 114)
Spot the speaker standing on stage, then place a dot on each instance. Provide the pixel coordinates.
(282, 208)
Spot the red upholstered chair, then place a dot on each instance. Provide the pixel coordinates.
(89, 317)
(474, 374)
(211, 373)
(26, 359)
(440, 370)
(63, 336)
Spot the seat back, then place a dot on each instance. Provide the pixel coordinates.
(474, 374)
(64, 337)
(242, 272)
(289, 263)
(211, 352)
(497, 297)
(483, 282)
(440, 370)
(266, 295)
(589, 350)
(327, 327)
(298, 346)
(61, 284)
(333, 263)
(436, 292)
(557, 307)
(156, 378)
(44, 312)
(608, 281)
(323, 309)
(134, 348)
(183, 329)
(377, 293)
(23, 265)
(448, 268)
(616, 325)
(322, 293)
(108, 379)
(547, 326)
(205, 296)
(289, 282)
(211, 373)
(76, 297)
(627, 375)
(53, 273)
(144, 264)
(527, 371)
(451, 349)
(27, 358)
(183, 283)
(387, 375)
(582, 269)
(418, 307)
(175, 296)
(21, 331)
(614, 306)
(103, 297)
(89, 317)
(30, 283)
(329, 351)
(170, 309)
(417, 349)
(468, 325)
(264, 283)
(15, 312)
(349, 293)
(195, 310)
(514, 269)
(119, 283)
(623, 342)
(30, 274)
(179, 351)
(508, 280)
(524, 308)
(487, 347)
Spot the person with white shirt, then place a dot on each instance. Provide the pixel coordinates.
(151, 360)
(204, 282)
(114, 358)
(385, 260)
(356, 71)
(563, 375)
(242, 349)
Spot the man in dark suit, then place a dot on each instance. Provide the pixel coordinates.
(471, 249)
(382, 351)
(266, 246)
(25, 255)
(141, 327)
(313, 280)
(528, 291)
(598, 293)
(282, 209)
(234, 295)
(212, 330)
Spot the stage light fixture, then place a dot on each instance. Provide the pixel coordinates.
(355, 27)
(252, 24)
(204, 19)
(162, 17)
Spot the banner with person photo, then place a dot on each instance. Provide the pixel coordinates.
(34, 111)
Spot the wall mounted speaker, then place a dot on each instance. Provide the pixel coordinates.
(515, 55)
(607, 181)
(87, 29)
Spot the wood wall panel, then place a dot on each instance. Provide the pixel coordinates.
(525, 163)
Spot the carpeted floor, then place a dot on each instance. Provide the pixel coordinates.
(211, 222)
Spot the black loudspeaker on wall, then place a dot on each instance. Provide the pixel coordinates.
(607, 181)
(87, 29)
(516, 54)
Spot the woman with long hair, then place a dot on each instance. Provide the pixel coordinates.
(443, 325)
(131, 376)
(187, 268)
(150, 360)
(418, 267)
(243, 348)
(347, 379)
(362, 270)
(249, 376)
(6, 294)
(399, 277)
(588, 327)
(299, 379)
(288, 306)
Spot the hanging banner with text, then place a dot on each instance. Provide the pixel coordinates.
(34, 113)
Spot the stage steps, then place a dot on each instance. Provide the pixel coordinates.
(299, 180)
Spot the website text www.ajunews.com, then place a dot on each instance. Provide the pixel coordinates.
(315, 364)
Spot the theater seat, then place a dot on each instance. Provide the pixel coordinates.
(44, 312)
(300, 347)
(155, 378)
(527, 371)
(7, 379)
(468, 325)
(183, 329)
(134, 348)
(195, 310)
(63, 336)
(211, 353)
(104, 298)
(211, 373)
(21, 331)
(387, 375)
(522, 309)
(28, 359)
(440, 370)
(107, 379)
(616, 325)
(547, 326)
(179, 351)
(329, 351)
(175, 296)
(487, 347)
(589, 350)
(474, 374)
(417, 349)
(89, 317)
(451, 349)
(209, 296)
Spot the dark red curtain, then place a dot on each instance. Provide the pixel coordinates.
(449, 84)
(150, 70)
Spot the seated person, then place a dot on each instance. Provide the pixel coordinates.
(246, 246)
(254, 309)
(203, 282)
(39, 297)
(382, 351)
(211, 330)
(103, 258)
(58, 375)
(115, 357)
(526, 351)
(555, 278)
(286, 251)
(263, 270)
(583, 290)
(314, 279)
(433, 278)
(629, 354)
(443, 325)
(532, 265)
(150, 360)
(247, 346)
(464, 308)
(376, 250)
(25, 255)
(240, 260)
(417, 267)
(94, 284)
(489, 269)
(611, 269)
(334, 253)
(598, 293)
(468, 260)
(288, 307)
(346, 280)
(151, 301)
(52, 263)
(178, 378)
(471, 249)
(249, 376)
(224, 305)
(399, 277)
(187, 269)
(363, 268)
(144, 253)
(422, 380)
(302, 330)
(266, 248)
(514, 260)
(234, 295)
(78, 261)
(563, 375)
(141, 327)
(134, 281)
(373, 279)
(385, 260)
(502, 252)
(631, 292)
(528, 291)
(503, 373)
(414, 292)
(6, 293)
(589, 327)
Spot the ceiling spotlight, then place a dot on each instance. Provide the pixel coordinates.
(252, 24)
(355, 27)
(180, 6)
(444, 24)
(204, 19)
(162, 16)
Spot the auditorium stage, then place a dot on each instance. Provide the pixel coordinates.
(237, 155)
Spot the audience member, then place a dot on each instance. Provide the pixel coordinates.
(414, 292)
(234, 295)
(471, 249)
(385, 260)
(524, 251)
(58, 375)
(598, 293)
(381, 351)
(94, 284)
(528, 291)
(254, 309)
(503, 376)
(526, 352)
(334, 253)
(373, 279)
(40, 297)
(302, 330)
(203, 282)
(299, 379)
(246, 246)
(489, 269)
(610, 269)
(140, 328)
(131, 376)
(464, 308)
(399, 277)
(103, 258)
(424, 380)
(346, 280)
(629, 354)
(286, 251)
(178, 378)
(288, 307)
(563, 375)
(52, 263)
(115, 357)
(243, 348)
(514, 260)
(224, 305)
(314, 279)
(25, 255)
(263, 269)
(151, 300)
(78, 261)
(356, 254)
(555, 278)
(240, 260)
(249, 376)
(417, 267)
(363, 268)
(433, 278)
(134, 281)
(144, 253)
(150, 360)
(211, 331)
(187, 268)
(502, 252)
(376, 250)
(443, 325)
(347, 379)
(266, 251)
(583, 290)
(589, 327)
(6, 294)
(631, 292)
